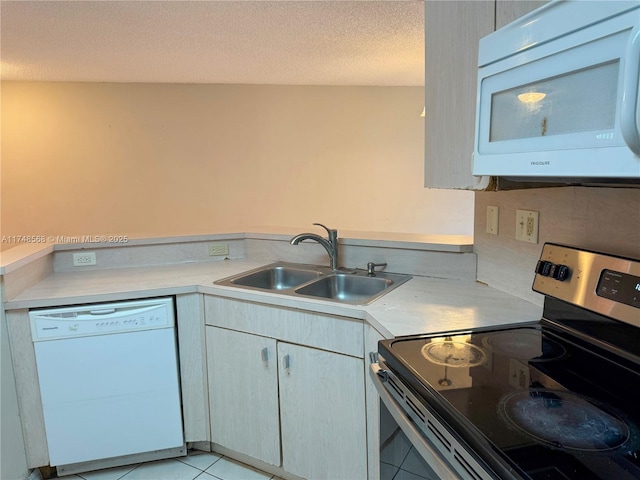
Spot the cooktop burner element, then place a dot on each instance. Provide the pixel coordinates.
(564, 420)
(525, 344)
(454, 354)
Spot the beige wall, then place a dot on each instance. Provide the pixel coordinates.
(600, 219)
(156, 159)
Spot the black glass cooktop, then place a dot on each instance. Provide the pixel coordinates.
(546, 404)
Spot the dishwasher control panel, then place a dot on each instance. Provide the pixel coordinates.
(100, 319)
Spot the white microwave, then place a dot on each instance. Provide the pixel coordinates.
(558, 94)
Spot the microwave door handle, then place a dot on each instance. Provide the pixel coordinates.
(630, 109)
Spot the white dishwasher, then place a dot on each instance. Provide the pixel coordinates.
(109, 383)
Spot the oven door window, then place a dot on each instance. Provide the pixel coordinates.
(398, 458)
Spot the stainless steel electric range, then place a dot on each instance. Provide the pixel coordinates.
(554, 399)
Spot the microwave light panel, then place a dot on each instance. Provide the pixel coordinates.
(531, 97)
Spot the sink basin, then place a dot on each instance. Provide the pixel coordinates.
(276, 278)
(346, 288)
(313, 281)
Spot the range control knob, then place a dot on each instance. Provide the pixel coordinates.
(560, 272)
(544, 268)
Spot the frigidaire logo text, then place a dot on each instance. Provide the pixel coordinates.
(539, 162)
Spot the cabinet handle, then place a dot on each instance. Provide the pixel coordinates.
(265, 355)
(286, 364)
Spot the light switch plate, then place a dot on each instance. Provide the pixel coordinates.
(492, 220)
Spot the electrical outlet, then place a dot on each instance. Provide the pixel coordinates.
(216, 249)
(527, 226)
(492, 220)
(84, 259)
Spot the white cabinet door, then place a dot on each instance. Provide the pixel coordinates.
(323, 416)
(243, 393)
(452, 33)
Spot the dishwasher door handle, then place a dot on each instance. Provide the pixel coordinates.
(105, 311)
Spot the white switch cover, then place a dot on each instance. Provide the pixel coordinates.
(527, 226)
(492, 220)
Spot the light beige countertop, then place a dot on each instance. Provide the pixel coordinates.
(426, 305)
(422, 305)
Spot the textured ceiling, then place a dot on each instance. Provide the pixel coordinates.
(253, 42)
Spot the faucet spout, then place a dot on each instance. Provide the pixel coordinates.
(330, 244)
(312, 236)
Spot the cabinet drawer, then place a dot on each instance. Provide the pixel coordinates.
(333, 333)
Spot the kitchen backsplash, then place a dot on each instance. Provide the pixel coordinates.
(601, 219)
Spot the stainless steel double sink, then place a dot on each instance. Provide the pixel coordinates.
(345, 286)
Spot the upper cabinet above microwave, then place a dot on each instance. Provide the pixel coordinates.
(557, 96)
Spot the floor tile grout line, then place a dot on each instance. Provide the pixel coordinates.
(187, 463)
(193, 466)
(207, 475)
(120, 478)
(79, 475)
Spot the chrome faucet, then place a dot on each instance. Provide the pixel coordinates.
(330, 245)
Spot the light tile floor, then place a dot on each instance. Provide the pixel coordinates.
(197, 465)
(399, 460)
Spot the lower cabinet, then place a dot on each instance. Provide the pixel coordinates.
(322, 414)
(298, 407)
(243, 393)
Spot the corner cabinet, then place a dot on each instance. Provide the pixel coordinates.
(452, 33)
(286, 387)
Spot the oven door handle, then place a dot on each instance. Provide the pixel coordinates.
(430, 454)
